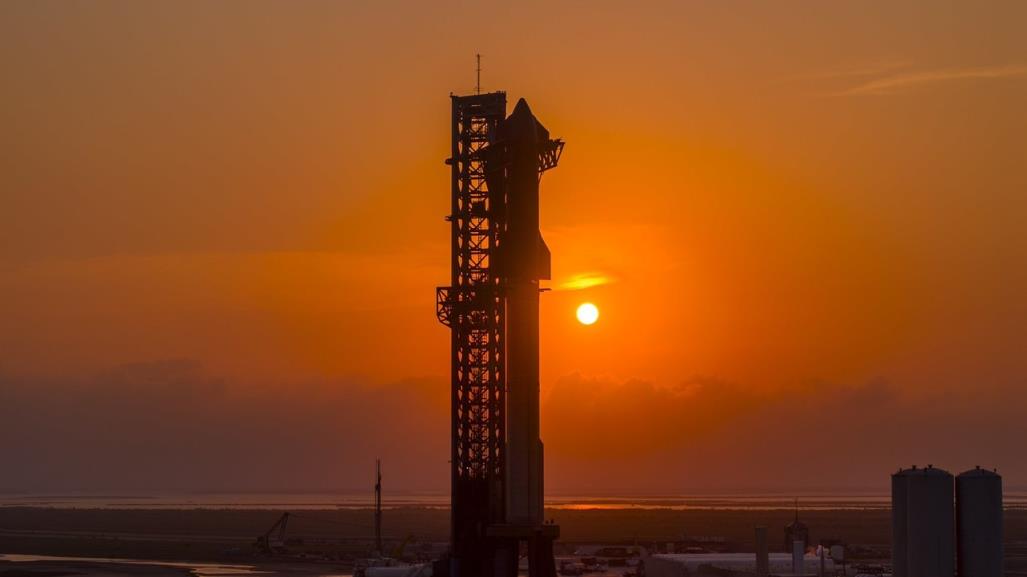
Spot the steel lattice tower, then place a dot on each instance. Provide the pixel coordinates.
(473, 308)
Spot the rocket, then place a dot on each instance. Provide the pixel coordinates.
(513, 167)
(499, 258)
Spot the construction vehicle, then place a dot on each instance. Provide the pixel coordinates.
(273, 541)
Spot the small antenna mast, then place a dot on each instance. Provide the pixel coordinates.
(477, 87)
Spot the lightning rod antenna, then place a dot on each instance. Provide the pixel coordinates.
(477, 86)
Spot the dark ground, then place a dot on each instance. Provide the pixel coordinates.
(227, 535)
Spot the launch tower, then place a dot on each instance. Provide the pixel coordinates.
(491, 307)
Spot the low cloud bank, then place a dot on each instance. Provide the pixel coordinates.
(170, 426)
(167, 425)
(707, 434)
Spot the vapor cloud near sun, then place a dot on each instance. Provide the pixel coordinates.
(906, 80)
(584, 281)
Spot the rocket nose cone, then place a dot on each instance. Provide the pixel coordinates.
(522, 121)
(521, 108)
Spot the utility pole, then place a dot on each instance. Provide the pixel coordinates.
(378, 507)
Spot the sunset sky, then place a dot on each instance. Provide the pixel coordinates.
(221, 225)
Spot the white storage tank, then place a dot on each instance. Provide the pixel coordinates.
(899, 511)
(762, 553)
(798, 558)
(979, 523)
(930, 523)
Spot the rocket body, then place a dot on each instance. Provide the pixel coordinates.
(525, 260)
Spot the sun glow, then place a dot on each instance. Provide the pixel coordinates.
(587, 313)
(584, 281)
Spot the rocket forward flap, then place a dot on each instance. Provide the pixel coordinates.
(543, 259)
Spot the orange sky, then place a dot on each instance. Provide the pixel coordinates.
(811, 216)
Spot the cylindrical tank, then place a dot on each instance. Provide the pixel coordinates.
(979, 523)
(930, 523)
(798, 558)
(899, 511)
(762, 553)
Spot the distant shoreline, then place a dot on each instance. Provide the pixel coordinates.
(300, 502)
(331, 501)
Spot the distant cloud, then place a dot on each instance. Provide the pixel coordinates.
(859, 71)
(904, 80)
(584, 281)
(171, 425)
(711, 434)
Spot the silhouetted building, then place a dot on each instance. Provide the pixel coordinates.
(923, 531)
(709, 564)
(979, 523)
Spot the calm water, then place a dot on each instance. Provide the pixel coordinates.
(299, 501)
(197, 569)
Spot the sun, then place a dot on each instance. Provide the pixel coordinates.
(587, 313)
